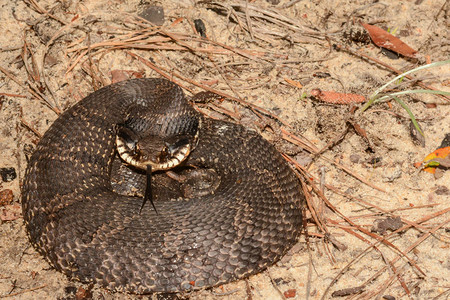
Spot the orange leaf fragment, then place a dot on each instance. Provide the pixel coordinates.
(384, 39)
(429, 163)
(337, 98)
(290, 293)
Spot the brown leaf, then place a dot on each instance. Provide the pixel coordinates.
(390, 223)
(383, 39)
(6, 197)
(337, 98)
(121, 75)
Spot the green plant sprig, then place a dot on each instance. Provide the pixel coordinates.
(377, 96)
(374, 97)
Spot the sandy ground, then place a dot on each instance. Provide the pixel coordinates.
(299, 53)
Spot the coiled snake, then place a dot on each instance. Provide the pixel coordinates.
(245, 219)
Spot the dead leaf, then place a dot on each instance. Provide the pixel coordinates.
(6, 197)
(384, 39)
(390, 223)
(290, 293)
(337, 98)
(437, 158)
(121, 75)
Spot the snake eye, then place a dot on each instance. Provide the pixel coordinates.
(174, 147)
(128, 138)
(171, 150)
(165, 154)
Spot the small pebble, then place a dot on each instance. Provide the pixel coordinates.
(200, 27)
(8, 174)
(354, 158)
(153, 14)
(70, 290)
(303, 158)
(442, 190)
(390, 54)
(280, 281)
(445, 141)
(375, 162)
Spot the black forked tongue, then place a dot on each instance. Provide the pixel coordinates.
(148, 190)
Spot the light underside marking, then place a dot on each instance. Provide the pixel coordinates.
(126, 155)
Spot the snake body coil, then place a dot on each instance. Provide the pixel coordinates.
(92, 233)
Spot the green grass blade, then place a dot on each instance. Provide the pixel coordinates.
(411, 92)
(411, 115)
(435, 64)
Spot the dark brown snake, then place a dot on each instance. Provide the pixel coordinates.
(90, 232)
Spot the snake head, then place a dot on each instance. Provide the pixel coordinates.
(151, 150)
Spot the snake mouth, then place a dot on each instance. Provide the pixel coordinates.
(170, 156)
(155, 152)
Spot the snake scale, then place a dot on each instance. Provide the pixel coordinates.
(92, 233)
